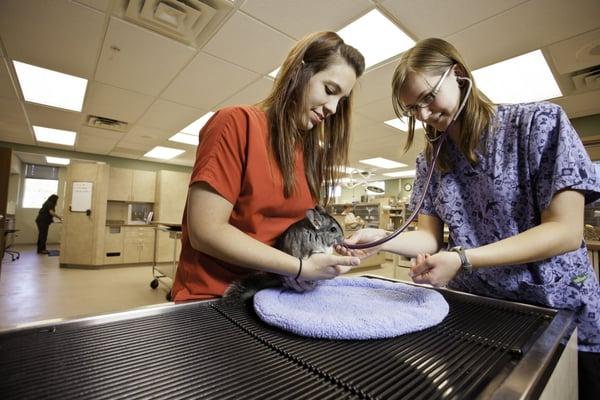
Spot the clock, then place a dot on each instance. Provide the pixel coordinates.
(407, 187)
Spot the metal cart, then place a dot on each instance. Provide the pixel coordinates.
(163, 274)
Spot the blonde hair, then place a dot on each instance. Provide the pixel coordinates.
(437, 55)
(325, 146)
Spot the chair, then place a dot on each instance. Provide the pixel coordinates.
(9, 238)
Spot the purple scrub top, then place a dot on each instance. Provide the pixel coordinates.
(529, 154)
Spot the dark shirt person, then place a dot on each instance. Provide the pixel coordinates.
(44, 219)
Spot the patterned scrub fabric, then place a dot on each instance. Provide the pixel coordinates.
(529, 154)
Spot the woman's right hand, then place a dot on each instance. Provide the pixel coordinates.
(366, 235)
(326, 266)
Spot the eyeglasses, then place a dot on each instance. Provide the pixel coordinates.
(427, 99)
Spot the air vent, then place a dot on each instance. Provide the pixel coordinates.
(182, 20)
(107, 123)
(587, 79)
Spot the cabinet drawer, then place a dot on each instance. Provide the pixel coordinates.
(138, 233)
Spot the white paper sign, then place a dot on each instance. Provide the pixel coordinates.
(81, 198)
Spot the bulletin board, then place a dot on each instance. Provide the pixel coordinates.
(81, 196)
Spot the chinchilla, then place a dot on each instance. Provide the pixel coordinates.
(318, 232)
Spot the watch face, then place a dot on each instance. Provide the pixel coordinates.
(407, 187)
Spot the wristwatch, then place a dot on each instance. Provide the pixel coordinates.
(465, 264)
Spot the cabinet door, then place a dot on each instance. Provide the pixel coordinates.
(131, 251)
(119, 184)
(147, 250)
(144, 185)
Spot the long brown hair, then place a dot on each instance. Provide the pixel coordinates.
(437, 55)
(325, 146)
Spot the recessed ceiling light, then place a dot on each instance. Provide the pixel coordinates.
(383, 163)
(402, 174)
(51, 88)
(164, 153)
(376, 37)
(398, 123)
(195, 127)
(57, 160)
(184, 138)
(57, 136)
(520, 79)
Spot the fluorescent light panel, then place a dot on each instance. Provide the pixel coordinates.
(520, 79)
(57, 160)
(164, 153)
(57, 136)
(376, 37)
(349, 170)
(195, 127)
(273, 74)
(401, 174)
(51, 88)
(398, 123)
(184, 138)
(383, 163)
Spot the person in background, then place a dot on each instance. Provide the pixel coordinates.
(45, 217)
(259, 168)
(511, 183)
(351, 221)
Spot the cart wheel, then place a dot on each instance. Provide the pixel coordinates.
(154, 284)
(168, 296)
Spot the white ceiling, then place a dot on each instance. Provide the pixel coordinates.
(159, 85)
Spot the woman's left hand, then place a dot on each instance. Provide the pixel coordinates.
(437, 269)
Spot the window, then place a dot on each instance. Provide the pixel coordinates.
(41, 181)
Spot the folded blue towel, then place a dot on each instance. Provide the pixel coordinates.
(352, 308)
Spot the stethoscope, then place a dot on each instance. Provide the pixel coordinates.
(440, 141)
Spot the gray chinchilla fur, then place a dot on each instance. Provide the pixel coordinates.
(318, 232)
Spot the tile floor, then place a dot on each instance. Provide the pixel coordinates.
(35, 288)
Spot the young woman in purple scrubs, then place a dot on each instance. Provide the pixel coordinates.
(510, 183)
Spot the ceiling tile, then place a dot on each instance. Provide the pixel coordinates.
(7, 89)
(379, 110)
(53, 117)
(144, 137)
(251, 94)
(581, 105)
(137, 59)
(97, 141)
(298, 18)
(169, 116)
(434, 18)
(576, 53)
(12, 118)
(58, 35)
(100, 5)
(112, 102)
(206, 82)
(243, 41)
(512, 33)
(376, 84)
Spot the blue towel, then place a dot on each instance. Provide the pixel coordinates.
(352, 308)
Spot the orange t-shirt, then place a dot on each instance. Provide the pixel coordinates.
(233, 158)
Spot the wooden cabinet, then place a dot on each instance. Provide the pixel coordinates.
(171, 195)
(119, 184)
(131, 185)
(167, 247)
(138, 244)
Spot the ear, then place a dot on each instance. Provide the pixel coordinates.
(314, 217)
(459, 71)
